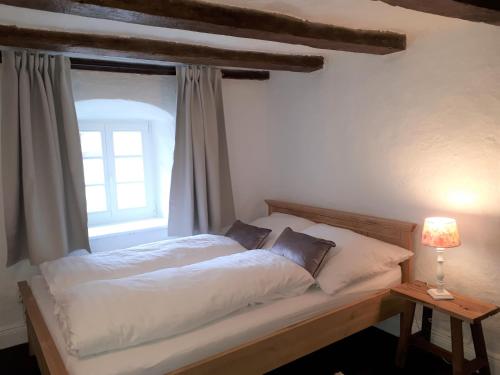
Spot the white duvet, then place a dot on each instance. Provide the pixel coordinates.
(67, 272)
(106, 315)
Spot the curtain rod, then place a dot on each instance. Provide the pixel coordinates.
(152, 69)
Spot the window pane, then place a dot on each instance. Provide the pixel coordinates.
(91, 143)
(94, 171)
(96, 198)
(131, 195)
(127, 143)
(129, 169)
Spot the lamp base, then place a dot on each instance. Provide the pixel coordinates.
(436, 294)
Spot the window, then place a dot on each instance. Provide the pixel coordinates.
(119, 171)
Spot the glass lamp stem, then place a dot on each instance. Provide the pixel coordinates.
(440, 272)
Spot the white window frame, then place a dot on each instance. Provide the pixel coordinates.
(113, 214)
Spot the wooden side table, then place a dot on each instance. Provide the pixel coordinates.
(461, 309)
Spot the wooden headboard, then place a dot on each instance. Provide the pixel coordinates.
(396, 232)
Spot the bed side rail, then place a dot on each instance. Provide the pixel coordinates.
(290, 343)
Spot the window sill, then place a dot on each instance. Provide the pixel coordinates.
(103, 231)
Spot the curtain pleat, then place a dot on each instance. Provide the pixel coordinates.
(42, 168)
(201, 197)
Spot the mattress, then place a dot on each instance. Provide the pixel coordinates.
(160, 357)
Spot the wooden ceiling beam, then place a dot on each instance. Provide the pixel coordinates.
(487, 11)
(220, 19)
(155, 50)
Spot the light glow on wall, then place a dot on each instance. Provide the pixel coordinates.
(462, 199)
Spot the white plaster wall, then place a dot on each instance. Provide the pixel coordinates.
(247, 128)
(404, 136)
(159, 91)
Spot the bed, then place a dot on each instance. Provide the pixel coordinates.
(252, 341)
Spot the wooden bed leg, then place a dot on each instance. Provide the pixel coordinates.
(406, 323)
(426, 323)
(457, 346)
(480, 346)
(29, 328)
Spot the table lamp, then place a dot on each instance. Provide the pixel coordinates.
(441, 233)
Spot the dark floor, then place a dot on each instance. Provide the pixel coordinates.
(370, 352)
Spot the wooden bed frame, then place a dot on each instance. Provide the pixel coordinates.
(282, 346)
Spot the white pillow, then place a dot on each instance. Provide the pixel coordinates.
(277, 222)
(356, 257)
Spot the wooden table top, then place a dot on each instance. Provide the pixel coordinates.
(462, 307)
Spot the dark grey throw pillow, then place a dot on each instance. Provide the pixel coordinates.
(249, 236)
(307, 251)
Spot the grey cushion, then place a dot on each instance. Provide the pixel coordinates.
(249, 236)
(307, 251)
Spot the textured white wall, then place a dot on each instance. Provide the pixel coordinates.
(405, 136)
(246, 113)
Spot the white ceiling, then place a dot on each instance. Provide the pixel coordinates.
(363, 14)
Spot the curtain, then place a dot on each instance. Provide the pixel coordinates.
(42, 169)
(201, 197)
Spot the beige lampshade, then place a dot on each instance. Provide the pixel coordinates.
(440, 232)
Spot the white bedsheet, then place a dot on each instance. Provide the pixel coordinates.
(105, 315)
(160, 357)
(67, 272)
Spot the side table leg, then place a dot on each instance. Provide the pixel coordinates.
(457, 346)
(479, 346)
(406, 322)
(426, 323)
